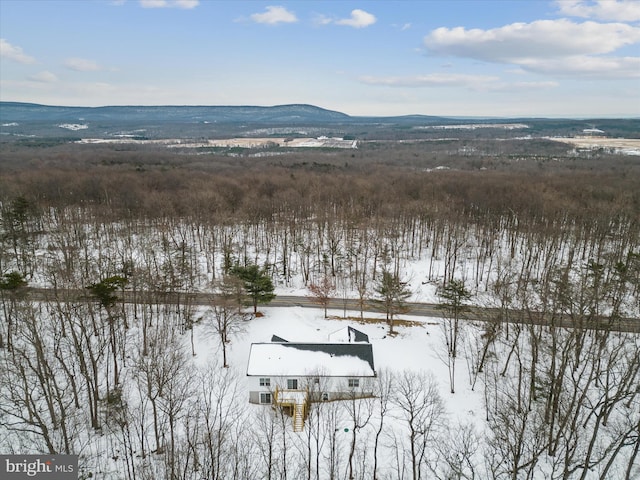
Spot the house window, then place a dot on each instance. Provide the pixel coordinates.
(292, 383)
(316, 381)
(265, 382)
(265, 397)
(354, 382)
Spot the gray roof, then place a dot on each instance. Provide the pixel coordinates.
(276, 338)
(334, 359)
(363, 351)
(357, 335)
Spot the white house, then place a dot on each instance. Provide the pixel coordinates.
(292, 375)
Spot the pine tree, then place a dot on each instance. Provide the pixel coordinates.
(392, 295)
(257, 284)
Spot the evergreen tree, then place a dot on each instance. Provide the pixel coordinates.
(257, 284)
(11, 289)
(392, 294)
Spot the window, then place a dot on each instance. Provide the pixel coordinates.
(265, 397)
(265, 382)
(316, 381)
(354, 382)
(292, 383)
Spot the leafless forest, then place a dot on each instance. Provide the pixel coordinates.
(521, 225)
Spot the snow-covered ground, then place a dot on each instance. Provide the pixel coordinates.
(176, 407)
(417, 348)
(417, 351)
(206, 403)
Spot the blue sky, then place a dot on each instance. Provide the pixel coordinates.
(574, 58)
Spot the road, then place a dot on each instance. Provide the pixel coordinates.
(475, 313)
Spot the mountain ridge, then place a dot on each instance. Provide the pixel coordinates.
(27, 122)
(287, 113)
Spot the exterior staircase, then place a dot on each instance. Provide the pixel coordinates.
(298, 417)
(297, 401)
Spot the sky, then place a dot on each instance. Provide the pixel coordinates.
(513, 58)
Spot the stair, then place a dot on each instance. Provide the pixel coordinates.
(298, 417)
(296, 402)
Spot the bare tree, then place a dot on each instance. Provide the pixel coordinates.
(385, 386)
(220, 414)
(157, 373)
(334, 428)
(322, 292)
(265, 425)
(104, 291)
(228, 319)
(453, 295)
(35, 398)
(517, 435)
(359, 410)
(457, 453)
(422, 413)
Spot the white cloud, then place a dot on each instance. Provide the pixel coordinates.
(184, 4)
(11, 52)
(587, 66)
(522, 86)
(320, 19)
(274, 15)
(539, 39)
(621, 11)
(187, 3)
(358, 19)
(82, 65)
(402, 27)
(546, 46)
(43, 77)
(485, 83)
(431, 80)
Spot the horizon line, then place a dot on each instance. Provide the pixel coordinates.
(450, 116)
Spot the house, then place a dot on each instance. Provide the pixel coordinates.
(292, 375)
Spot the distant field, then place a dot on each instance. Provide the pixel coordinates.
(236, 142)
(625, 145)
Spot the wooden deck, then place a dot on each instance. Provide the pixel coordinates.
(298, 403)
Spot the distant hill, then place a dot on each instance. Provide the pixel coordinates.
(24, 121)
(289, 114)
